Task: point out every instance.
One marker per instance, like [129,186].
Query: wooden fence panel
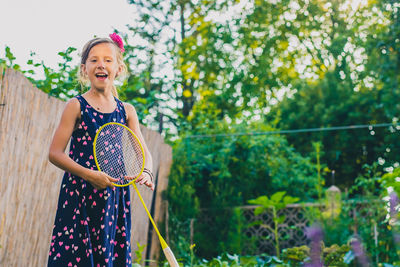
[29,184]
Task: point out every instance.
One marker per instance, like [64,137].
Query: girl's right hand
[100,180]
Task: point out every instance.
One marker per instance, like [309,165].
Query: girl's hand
[100,180]
[146,180]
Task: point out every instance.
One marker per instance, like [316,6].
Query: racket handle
[170,257]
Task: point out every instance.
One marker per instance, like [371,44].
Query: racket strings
[119,153]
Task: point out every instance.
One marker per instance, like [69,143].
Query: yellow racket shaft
[167,251]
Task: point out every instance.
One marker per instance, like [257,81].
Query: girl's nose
[101,64]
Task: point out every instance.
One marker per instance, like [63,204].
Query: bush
[212,175]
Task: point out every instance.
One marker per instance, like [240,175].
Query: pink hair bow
[118,40]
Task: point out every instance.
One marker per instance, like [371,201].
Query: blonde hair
[82,77]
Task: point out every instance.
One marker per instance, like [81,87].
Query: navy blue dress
[92,227]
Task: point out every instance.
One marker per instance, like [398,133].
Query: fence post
[334,200]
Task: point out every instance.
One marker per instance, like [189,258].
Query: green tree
[348,90]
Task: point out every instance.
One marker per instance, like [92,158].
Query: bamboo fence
[29,184]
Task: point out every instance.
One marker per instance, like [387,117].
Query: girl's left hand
[144,179]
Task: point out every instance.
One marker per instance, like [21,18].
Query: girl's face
[101,66]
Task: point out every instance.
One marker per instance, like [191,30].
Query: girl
[93,219]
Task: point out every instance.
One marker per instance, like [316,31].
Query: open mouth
[101,75]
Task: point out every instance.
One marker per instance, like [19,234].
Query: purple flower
[118,41]
[396,238]
[359,252]
[315,234]
[394,201]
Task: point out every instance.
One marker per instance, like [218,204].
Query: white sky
[47,27]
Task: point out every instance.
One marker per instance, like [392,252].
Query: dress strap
[121,107]
[82,101]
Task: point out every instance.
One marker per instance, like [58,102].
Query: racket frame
[138,141]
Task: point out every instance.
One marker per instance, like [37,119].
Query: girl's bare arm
[57,156]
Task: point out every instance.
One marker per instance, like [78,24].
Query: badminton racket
[119,153]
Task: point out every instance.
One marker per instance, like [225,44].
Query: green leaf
[262,200]
[289,200]
[280,219]
[277,197]
[259,210]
